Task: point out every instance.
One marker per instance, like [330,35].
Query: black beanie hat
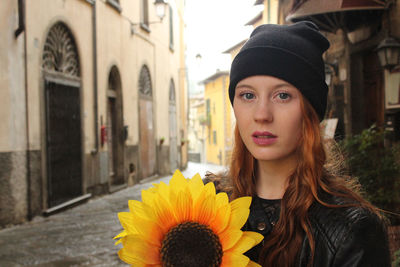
[292,53]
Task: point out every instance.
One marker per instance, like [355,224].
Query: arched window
[145,88]
[172,97]
[60,53]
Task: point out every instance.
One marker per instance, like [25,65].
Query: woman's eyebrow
[245,86]
[277,86]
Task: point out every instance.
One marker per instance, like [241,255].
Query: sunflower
[186,223]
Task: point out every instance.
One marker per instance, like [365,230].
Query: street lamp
[330,71]
[160,8]
[389,53]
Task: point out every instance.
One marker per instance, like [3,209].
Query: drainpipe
[21,18]
[21,28]
[95,88]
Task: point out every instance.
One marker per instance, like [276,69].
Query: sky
[213,26]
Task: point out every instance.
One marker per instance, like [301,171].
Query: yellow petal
[120,235]
[234,260]
[155,186]
[204,211]
[246,242]
[139,249]
[222,199]
[256,236]
[229,238]
[141,209]
[196,186]
[178,181]
[239,212]
[183,206]
[209,188]
[148,197]
[127,221]
[130,259]
[241,203]
[148,230]
[221,219]
[163,190]
[164,213]
[253,264]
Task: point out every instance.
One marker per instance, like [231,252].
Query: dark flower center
[191,244]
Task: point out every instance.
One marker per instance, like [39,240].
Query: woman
[308,215]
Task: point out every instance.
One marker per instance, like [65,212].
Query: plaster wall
[13,139]
[41,15]
[12,80]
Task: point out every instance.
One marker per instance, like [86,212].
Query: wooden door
[147,138]
[373,88]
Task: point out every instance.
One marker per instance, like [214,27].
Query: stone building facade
[362,91]
[89,90]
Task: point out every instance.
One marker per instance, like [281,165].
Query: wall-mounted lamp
[161,9]
[331,69]
[389,53]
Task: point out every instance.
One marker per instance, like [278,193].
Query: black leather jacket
[351,236]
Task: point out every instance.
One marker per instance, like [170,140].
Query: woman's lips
[264,138]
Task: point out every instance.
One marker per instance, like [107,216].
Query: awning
[331,15]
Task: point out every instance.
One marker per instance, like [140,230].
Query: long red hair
[310,176]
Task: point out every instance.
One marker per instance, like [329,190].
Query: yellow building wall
[220,110]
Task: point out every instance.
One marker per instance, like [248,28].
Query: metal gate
[63,142]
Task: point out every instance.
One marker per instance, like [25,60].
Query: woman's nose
[263,112]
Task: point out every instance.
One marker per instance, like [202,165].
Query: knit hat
[292,53]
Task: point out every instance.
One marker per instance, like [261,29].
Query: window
[215,137]
[172,97]
[208,107]
[145,15]
[145,88]
[171,28]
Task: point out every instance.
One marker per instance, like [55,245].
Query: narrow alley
[81,236]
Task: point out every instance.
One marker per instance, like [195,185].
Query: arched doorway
[115,133]
[62,85]
[147,144]
[173,132]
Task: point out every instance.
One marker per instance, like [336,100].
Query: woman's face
[268,116]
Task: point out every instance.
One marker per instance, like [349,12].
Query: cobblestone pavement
[81,236]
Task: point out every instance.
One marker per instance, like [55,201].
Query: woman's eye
[283,96]
[248,96]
